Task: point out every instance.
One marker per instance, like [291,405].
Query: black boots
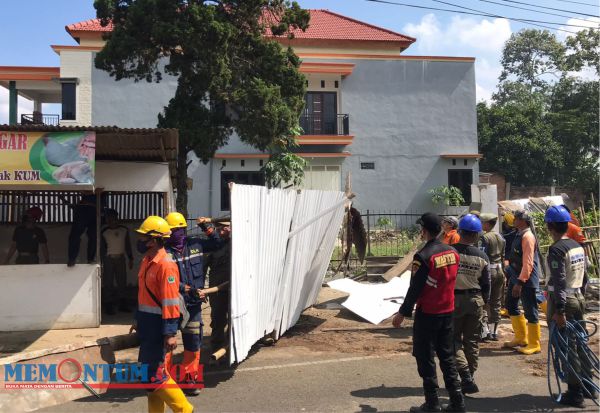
[467,384]
[573,397]
[591,392]
[469,387]
[432,403]
[457,403]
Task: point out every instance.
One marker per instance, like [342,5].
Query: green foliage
[384,222]
[542,125]
[230,78]
[446,195]
[543,236]
[516,140]
[283,166]
[584,50]
[573,114]
[531,54]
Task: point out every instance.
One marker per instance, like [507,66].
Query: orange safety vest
[160,275]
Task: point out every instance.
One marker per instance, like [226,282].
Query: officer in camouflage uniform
[566,260]
[493,245]
[471,293]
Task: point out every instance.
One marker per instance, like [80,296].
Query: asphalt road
[297,379]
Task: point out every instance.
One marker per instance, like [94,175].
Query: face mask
[142,246]
[177,238]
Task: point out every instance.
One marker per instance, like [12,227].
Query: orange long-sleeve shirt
[575,233]
[451,237]
[528,245]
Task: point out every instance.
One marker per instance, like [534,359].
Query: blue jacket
[191,263]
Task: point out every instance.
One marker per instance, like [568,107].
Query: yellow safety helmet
[155,227]
[509,218]
[176,220]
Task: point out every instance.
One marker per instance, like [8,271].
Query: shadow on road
[383,392]
[515,403]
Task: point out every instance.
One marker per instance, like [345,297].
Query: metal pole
[12,102]
[369,234]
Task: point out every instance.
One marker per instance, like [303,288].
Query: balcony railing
[40,119]
[322,125]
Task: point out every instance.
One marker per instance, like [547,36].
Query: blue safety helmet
[557,213]
[470,222]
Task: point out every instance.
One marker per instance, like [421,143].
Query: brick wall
[521,192]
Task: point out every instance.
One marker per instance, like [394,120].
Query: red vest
[437,296]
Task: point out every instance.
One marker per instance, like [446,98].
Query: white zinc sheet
[281,246]
[374,302]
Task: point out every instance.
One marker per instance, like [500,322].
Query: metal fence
[389,234]
[58,205]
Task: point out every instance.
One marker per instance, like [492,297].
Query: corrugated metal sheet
[275,276]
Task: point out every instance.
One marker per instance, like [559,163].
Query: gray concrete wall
[129,104]
[404,114]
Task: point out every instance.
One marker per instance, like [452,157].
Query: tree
[574,114]
[230,77]
[530,56]
[542,126]
[584,50]
[516,141]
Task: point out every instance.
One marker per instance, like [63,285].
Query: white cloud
[483,39]
[590,22]
[481,35]
[427,32]
[482,93]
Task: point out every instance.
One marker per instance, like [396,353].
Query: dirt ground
[327,326]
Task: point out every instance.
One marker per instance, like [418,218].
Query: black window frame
[69,100]
[456,177]
[238,177]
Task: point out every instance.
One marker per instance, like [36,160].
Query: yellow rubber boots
[519,325]
[155,403]
[171,395]
[533,334]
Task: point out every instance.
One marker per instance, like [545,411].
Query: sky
[28,31]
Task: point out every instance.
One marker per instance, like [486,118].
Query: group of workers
[28,238]
[171,290]
[462,277]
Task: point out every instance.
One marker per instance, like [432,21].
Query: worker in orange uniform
[157,317]
[449,233]
[574,231]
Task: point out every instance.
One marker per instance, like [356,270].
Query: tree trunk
[181,184]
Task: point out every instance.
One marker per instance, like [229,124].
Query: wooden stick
[218,354]
[215,289]
[595,213]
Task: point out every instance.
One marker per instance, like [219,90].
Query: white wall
[58,236]
[42,297]
[78,64]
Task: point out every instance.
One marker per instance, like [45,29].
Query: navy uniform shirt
[28,239]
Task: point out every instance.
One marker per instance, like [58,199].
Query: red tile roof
[324,25]
[327,25]
[91,25]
